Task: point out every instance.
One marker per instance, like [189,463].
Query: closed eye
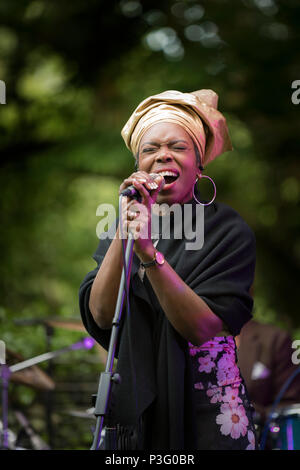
[154,149]
[147,150]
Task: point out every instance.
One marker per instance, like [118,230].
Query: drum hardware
[288,438]
[285,428]
[85,414]
[50,324]
[31,376]
[10,436]
[6,372]
[36,441]
[69,324]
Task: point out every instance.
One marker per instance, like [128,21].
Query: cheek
[145,163]
[191,169]
[189,179]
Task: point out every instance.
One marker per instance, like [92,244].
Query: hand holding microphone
[151,182]
[140,192]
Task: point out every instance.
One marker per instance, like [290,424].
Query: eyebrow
[172,142]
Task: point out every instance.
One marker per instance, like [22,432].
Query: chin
[173,198]
[167,199]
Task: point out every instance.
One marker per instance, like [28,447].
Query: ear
[200,170]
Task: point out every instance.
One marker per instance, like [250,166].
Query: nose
[164,155]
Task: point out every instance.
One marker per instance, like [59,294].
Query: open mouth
[170,177]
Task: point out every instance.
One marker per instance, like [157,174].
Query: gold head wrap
[189,110]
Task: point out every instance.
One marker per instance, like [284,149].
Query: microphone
[132,192]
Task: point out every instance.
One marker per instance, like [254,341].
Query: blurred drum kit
[13,368]
[31,377]
[284,428]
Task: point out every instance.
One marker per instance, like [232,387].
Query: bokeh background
[74,71]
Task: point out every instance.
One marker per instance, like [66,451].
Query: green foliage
[74,72]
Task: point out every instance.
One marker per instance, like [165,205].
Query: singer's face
[167,147]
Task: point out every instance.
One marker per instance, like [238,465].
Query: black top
[154,360]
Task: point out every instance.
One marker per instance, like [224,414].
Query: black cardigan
[153,358]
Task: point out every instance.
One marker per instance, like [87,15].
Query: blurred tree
[75,70]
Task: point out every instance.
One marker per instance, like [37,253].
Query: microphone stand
[107,377]
[6,371]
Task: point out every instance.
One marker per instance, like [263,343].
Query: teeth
[167,173]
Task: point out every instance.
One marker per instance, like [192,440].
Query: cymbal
[31,376]
[55,322]
[75,324]
[71,324]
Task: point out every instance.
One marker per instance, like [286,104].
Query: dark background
[74,71]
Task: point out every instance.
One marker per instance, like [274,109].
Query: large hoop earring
[215,190]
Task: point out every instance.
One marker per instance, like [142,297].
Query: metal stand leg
[5,374]
[107,377]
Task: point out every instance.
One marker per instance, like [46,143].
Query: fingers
[135,220]
[137,216]
[143,189]
[159,181]
[138,179]
[144,178]
[135,210]
[133,227]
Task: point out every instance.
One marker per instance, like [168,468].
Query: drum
[285,428]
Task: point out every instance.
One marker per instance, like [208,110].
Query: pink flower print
[232,396]
[227,371]
[222,377]
[213,348]
[193,351]
[212,344]
[233,420]
[229,343]
[199,386]
[227,377]
[215,394]
[251,439]
[217,339]
[227,360]
[213,353]
[206,364]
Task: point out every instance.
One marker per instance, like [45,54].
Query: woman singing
[181,387]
